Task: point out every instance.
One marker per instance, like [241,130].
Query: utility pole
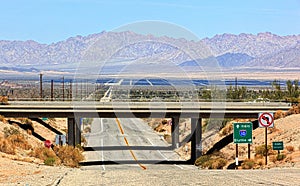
[52,86]
[81,89]
[63,88]
[76,88]
[41,86]
[70,90]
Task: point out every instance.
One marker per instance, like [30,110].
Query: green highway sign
[242,132]
[277,145]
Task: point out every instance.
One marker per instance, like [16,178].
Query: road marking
[163,154]
[101,125]
[158,150]
[102,155]
[126,141]
[178,166]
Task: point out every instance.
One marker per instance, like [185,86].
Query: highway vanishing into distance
[109,135]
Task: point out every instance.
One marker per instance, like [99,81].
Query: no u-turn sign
[266,119]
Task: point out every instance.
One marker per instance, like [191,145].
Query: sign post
[242,133]
[265,120]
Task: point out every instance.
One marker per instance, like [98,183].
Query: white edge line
[101,125]
[102,155]
[164,155]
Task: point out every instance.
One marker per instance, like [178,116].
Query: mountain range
[263,50]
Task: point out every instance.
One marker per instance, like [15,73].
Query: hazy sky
[48,21]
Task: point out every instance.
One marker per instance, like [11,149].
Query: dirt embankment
[287,129]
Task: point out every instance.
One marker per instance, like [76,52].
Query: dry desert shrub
[10,143]
[290,149]
[248,164]
[273,129]
[294,110]
[10,131]
[43,153]
[227,129]
[279,114]
[2,119]
[19,141]
[6,146]
[261,150]
[211,162]
[66,155]
[47,155]
[273,158]
[69,156]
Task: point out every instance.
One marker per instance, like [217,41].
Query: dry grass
[11,143]
[279,114]
[10,131]
[294,110]
[6,146]
[227,129]
[69,155]
[214,161]
[43,153]
[47,155]
[19,141]
[261,150]
[249,164]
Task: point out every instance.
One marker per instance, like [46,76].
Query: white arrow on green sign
[242,132]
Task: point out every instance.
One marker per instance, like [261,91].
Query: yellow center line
[126,141]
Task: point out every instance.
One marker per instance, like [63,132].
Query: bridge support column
[77,133]
[74,133]
[71,131]
[196,145]
[175,132]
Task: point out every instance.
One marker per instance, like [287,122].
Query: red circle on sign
[47,143]
[263,116]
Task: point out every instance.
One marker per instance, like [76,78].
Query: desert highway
[108,135]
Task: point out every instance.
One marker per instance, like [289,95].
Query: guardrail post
[71,131]
[196,144]
[175,132]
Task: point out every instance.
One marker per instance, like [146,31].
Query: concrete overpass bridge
[174,110]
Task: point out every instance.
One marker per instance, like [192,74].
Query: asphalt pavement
[126,141]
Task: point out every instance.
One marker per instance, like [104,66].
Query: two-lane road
[111,137]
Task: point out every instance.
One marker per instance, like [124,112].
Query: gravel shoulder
[23,173]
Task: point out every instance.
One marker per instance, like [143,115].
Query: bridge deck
[139,109]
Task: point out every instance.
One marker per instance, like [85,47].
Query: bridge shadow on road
[120,162]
